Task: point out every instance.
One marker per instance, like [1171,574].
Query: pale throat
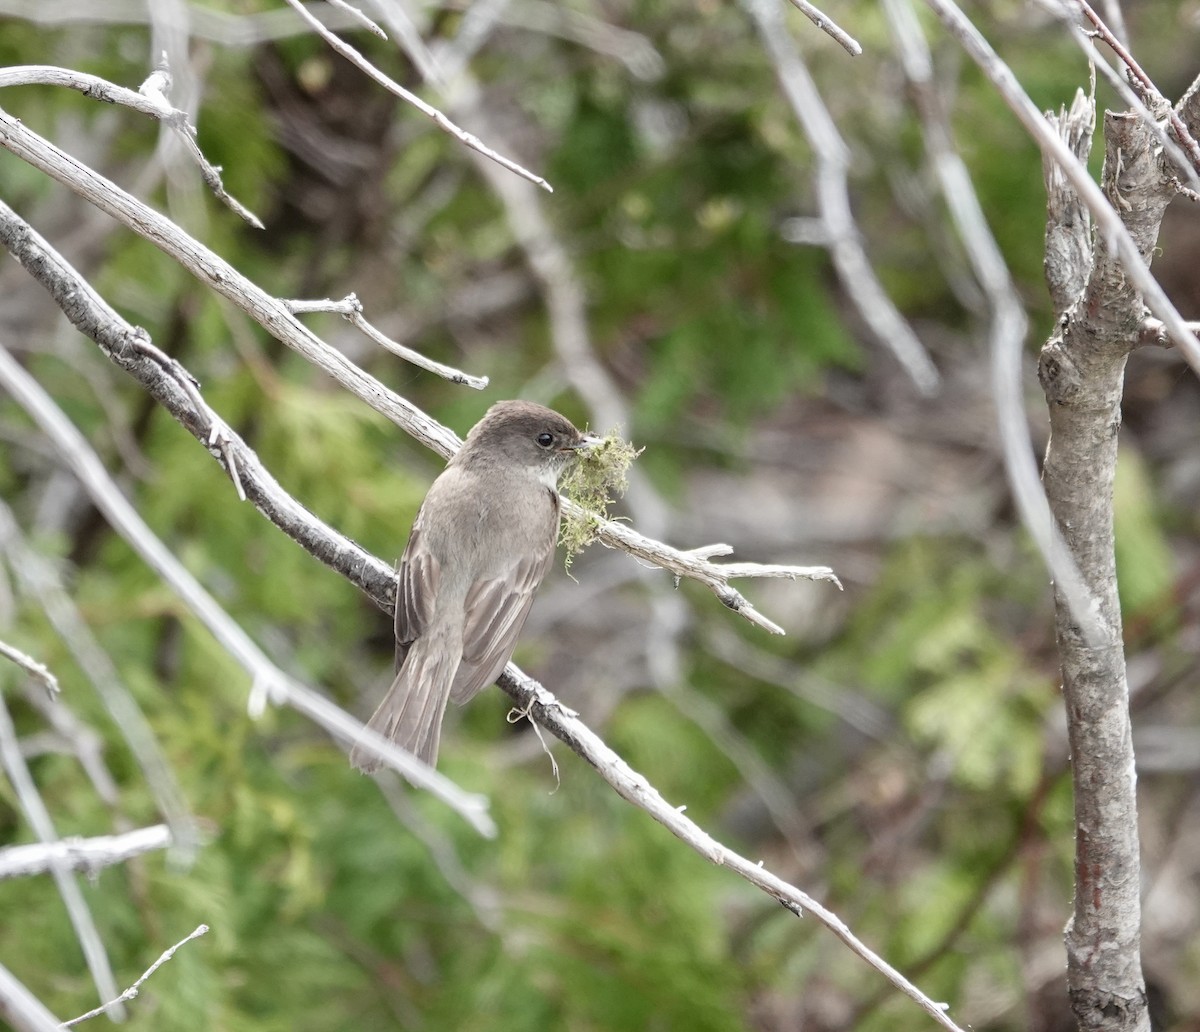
[548,476]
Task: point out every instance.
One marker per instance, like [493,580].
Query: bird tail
[411,712]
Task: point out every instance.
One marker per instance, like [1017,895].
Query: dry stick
[1008,323]
[1112,229]
[634,788]
[40,579]
[273,315]
[133,990]
[845,246]
[439,119]
[204,23]
[826,24]
[272,681]
[21,1009]
[30,665]
[149,101]
[88,855]
[68,887]
[350,308]
[1182,135]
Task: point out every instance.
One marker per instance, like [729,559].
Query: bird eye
[544,439]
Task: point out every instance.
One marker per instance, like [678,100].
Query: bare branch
[634,788]
[713,576]
[826,24]
[21,1009]
[87,855]
[132,992]
[31,666]
[68,888]
[832,171]
[149,101]
[1111,228]
[439,119]
[350,308]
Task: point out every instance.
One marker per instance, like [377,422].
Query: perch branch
[268,680]
[377,580]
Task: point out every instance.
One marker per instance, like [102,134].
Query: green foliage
[329,911]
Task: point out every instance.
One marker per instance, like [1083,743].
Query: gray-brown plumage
[482,542]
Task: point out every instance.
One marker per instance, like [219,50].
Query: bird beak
[585,442]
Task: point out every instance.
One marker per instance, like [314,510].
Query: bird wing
[496,609]
[416,592]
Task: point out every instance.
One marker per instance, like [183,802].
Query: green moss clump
[596,477]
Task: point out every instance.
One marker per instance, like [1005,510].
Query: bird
[482,541]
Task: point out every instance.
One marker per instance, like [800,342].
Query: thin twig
[1182,135]
[132,992]
[31,666]
[68,888]
[826,24]
[1109,223]
[714,576]
[149,101]
[41,580]
[358,16]
[857,277]
[439,119]
[350,308]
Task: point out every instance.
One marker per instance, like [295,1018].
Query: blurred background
[900,754]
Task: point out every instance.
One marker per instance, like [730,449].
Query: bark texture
[1082,371]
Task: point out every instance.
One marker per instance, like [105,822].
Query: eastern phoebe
[482,541]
